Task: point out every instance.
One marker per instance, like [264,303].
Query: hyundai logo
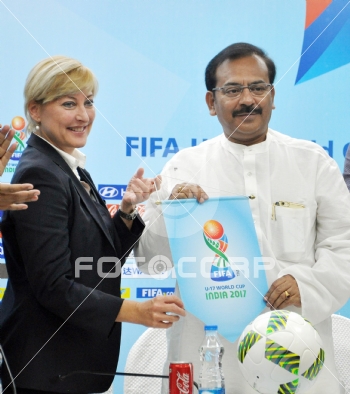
[108,192]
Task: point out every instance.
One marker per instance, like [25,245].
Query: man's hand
[282,293]
[12,197]
[159,312]
[6,136]
[188,190]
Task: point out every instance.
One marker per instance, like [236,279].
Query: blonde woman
[59,312]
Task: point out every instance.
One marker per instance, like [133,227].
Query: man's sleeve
[347,168]
[325,287]
[152,251]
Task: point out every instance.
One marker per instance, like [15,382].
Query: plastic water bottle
[211,378]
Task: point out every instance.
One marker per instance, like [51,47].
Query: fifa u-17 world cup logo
[18,124]
[216,240]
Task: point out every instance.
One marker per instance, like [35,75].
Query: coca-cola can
[180,377]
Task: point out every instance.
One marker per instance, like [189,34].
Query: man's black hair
[233,52]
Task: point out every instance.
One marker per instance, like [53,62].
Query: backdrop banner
[149,57]
[217,260]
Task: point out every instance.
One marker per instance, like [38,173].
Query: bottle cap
[210,328]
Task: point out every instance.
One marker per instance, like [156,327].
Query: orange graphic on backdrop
[18,123]
[314,9]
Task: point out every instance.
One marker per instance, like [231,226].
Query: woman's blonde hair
[55,77]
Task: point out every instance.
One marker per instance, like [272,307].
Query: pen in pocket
[284,204]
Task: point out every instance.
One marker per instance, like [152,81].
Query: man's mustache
[244,110]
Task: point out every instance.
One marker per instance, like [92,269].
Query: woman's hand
[138,190]
[159,312]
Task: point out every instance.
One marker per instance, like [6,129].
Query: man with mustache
[299,202]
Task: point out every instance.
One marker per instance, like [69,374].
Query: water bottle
[211,378]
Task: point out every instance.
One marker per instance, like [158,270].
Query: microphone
[62,377]
[144,375]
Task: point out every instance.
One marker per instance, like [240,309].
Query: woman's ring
[179,190]
[287,294]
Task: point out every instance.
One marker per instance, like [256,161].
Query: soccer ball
[280,353]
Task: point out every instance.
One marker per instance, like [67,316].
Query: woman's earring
[37,127]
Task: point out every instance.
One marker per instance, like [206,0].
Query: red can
[180,377]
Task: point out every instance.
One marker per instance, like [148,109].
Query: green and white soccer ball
[280,353]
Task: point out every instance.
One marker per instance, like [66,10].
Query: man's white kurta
[312,244]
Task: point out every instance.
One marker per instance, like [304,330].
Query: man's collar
[244,149]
